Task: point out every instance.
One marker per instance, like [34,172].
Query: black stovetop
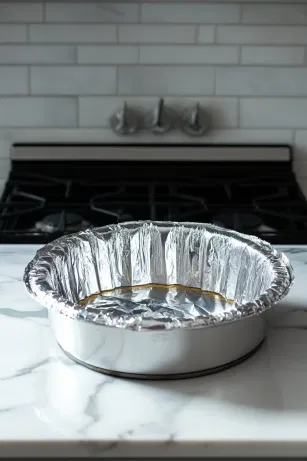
[43,200]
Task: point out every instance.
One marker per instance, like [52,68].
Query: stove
[54,190]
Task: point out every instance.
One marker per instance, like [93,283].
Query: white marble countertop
[50,406]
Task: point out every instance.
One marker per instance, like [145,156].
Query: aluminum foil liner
[248,273]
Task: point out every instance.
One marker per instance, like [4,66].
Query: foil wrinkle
[239,267]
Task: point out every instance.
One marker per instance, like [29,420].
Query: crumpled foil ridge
[240,267]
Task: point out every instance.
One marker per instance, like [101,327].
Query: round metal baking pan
[157,345]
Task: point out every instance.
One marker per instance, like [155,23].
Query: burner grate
[38,208]
[157,202]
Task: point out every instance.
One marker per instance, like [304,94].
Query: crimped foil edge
[39,285]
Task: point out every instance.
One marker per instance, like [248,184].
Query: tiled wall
[65,67]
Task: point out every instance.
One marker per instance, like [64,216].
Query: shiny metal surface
[159,353]
[154,302]
[239,267]
[159,121]
[124,121]
[196,122]
[150,334]
[171,376]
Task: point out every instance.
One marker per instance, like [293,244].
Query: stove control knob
[124,122]
[196,122]
[159,121]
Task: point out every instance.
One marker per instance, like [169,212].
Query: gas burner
[70,222]
[237,220]
[155,201]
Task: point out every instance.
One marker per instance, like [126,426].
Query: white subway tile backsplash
[36,54]
[275,14]
[197,54]
[223,112]
[13,33]
[38,112]
[107,54]
[95,112]
[250,136]
[65,67]
[72,80]
[170,33]
[67,135]
[273,55]
[72,33]
[13,80]
[273,113]
[200,13]
[92,12]
[262,81]
[21,12]
[206,34]
[162,80]
[262,35]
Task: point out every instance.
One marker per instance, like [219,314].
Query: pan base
[193,374]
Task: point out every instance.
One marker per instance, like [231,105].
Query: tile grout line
[44,12]
[215,35]
[97,127]
[196,35]
[238,114]
[217,96]
[214,82]
[116,81]
[78,111]
[29,79]
[240,55]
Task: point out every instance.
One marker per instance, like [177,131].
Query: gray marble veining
[50,406]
